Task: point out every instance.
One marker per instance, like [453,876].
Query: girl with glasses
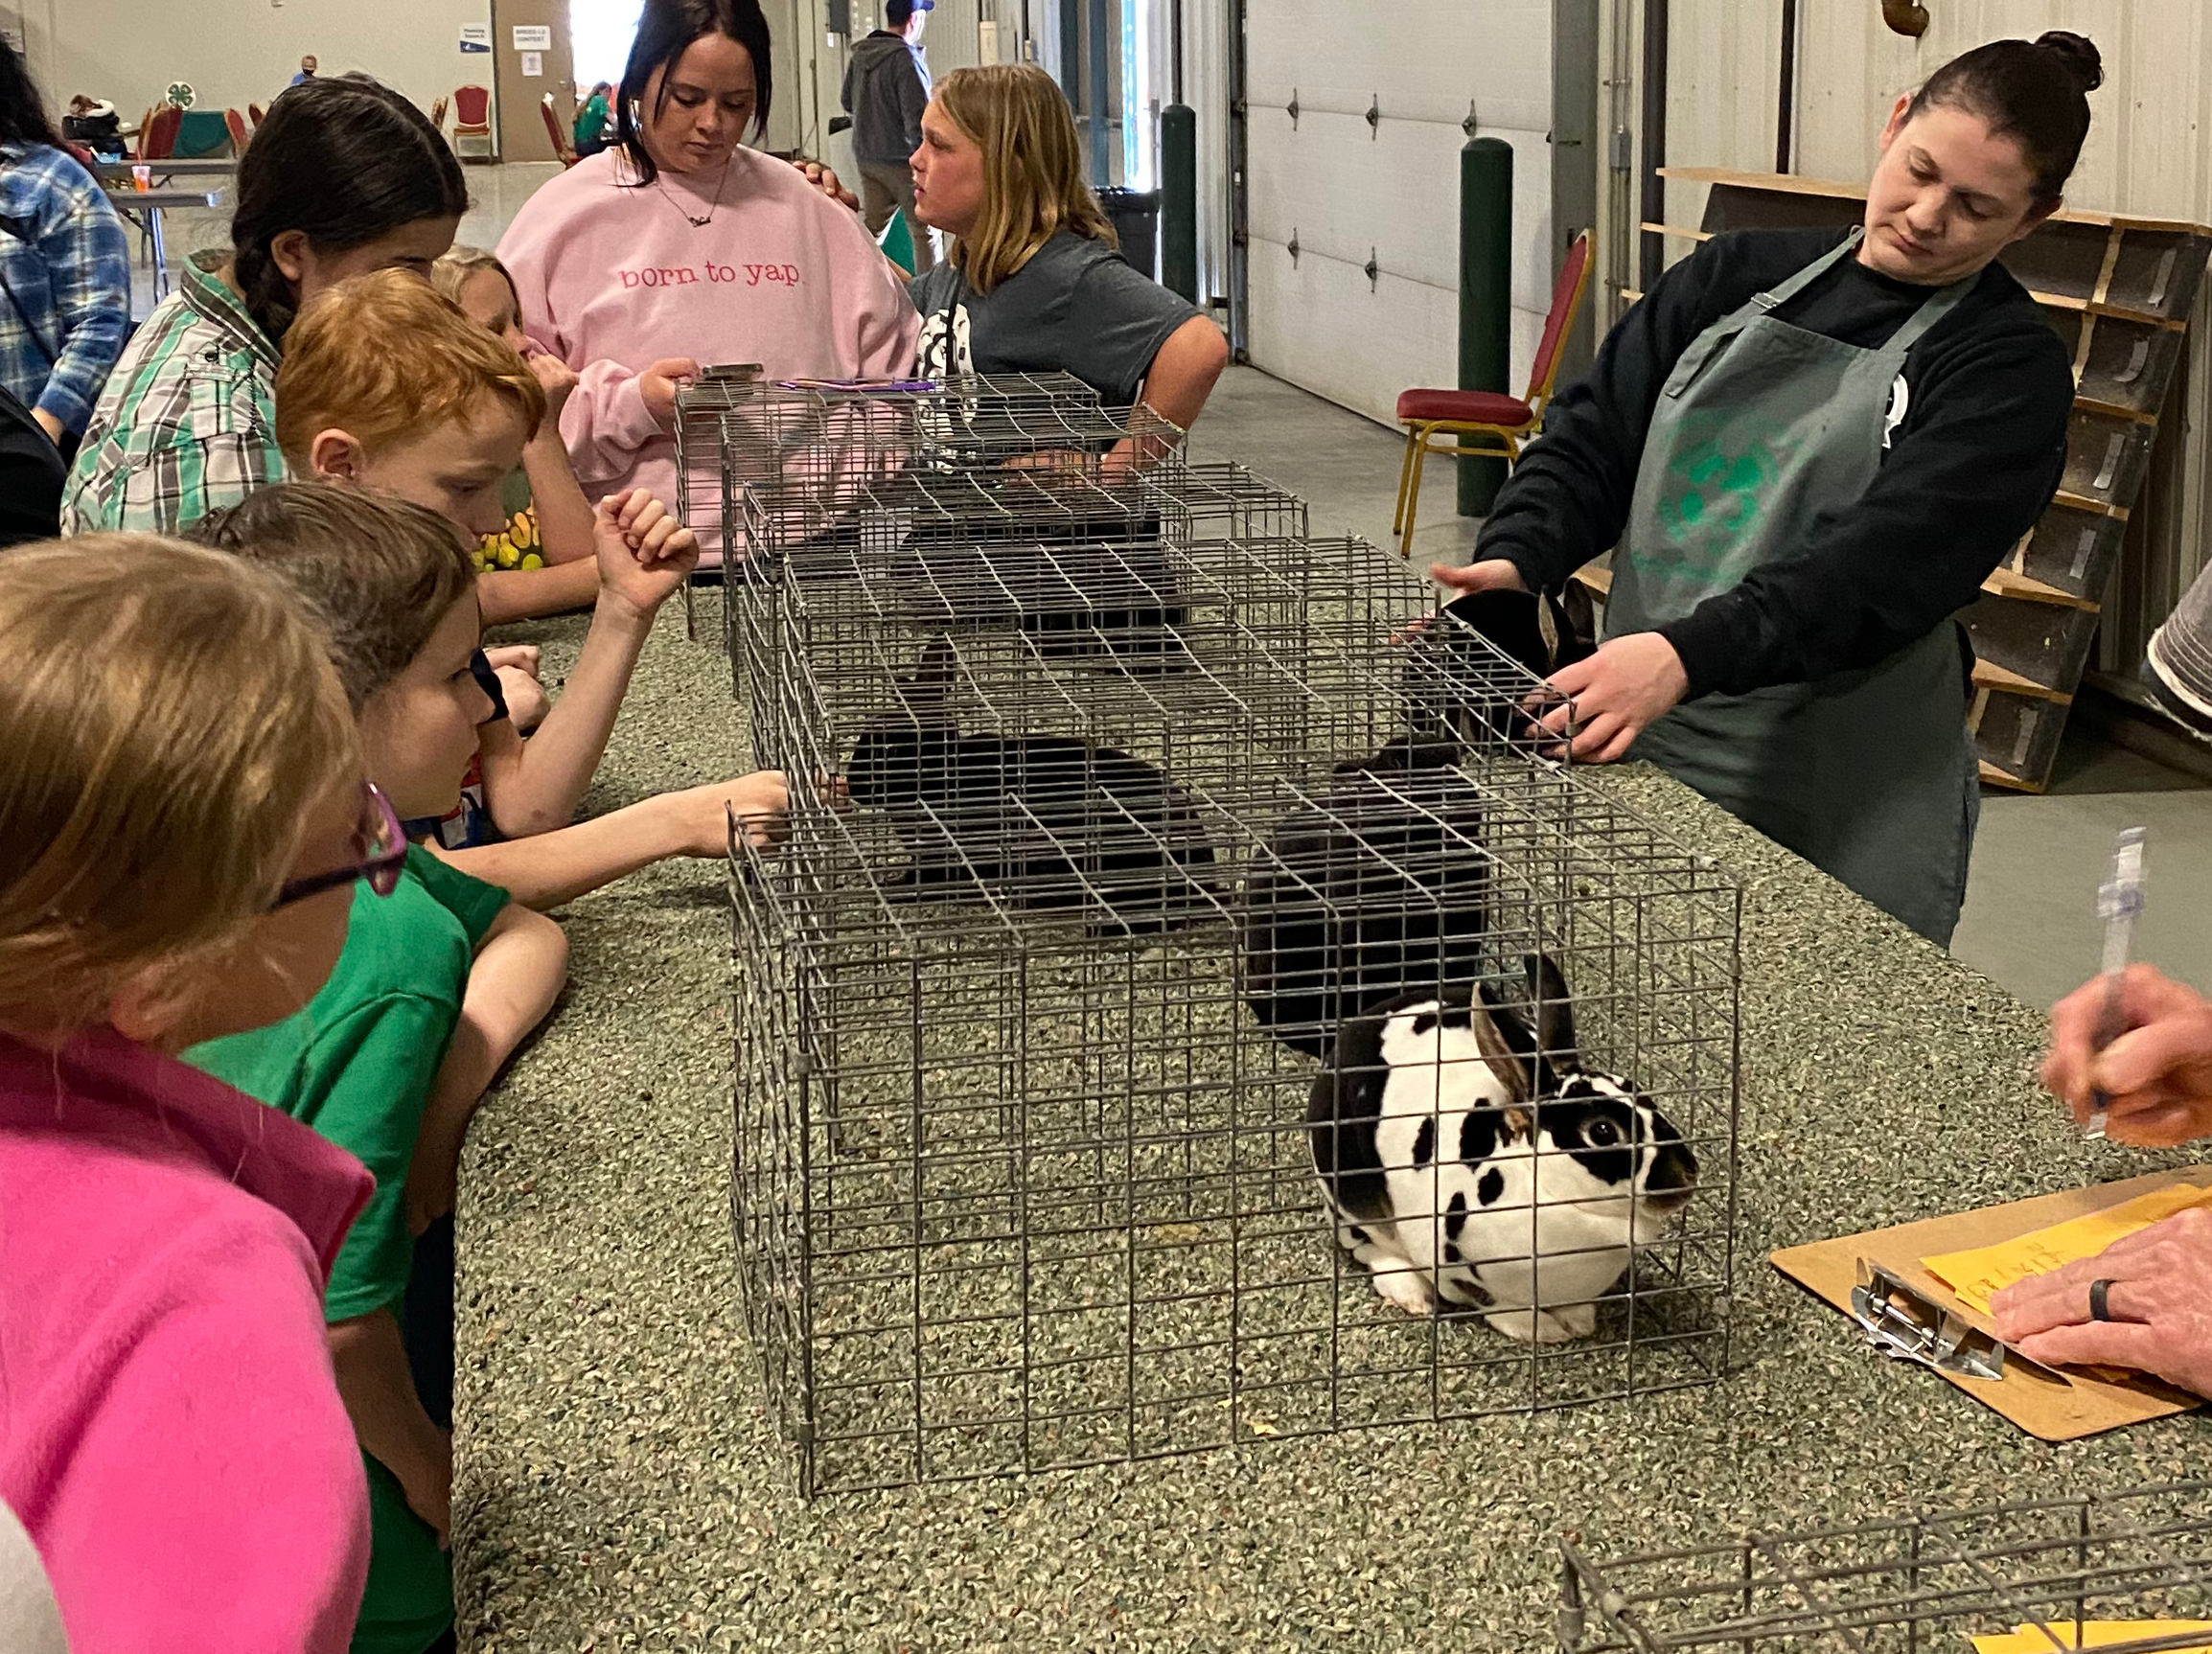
[182,820]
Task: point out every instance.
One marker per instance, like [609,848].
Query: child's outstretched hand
[761,802]
[644,553]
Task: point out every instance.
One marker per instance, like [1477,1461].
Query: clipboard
[2088,1402]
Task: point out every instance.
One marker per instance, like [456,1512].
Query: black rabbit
[1458,689]
[1375,889]
[1043,822]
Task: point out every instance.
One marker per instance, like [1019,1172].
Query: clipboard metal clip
[1906,1326]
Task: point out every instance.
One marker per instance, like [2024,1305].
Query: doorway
[530,63]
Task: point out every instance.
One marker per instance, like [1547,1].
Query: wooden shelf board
[2004,582]
[1991,676]
[2114,410]
[1790,184]
[1996,777]
[2083,502]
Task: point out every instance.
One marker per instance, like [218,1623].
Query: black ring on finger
[2099,1308]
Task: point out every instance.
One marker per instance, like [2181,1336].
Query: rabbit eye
[1603,1134]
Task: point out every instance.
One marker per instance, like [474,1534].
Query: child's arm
[371,1365]
[557,867]
[514,977]
[571,578]
[644,554]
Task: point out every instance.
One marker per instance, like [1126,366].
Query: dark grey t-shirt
[1075,305]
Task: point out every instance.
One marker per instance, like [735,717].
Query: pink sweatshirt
[170,1431]
[613,278]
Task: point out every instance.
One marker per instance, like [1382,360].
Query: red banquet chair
[239,134]
[1434,420]
[557,132]
[472,117]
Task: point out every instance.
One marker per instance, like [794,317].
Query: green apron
[1761,429]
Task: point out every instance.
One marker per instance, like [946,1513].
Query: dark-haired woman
[343,177]
[678,246]
[64,266]
[1811,448]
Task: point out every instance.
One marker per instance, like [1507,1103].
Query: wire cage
[767,467]
[2087,1571]
[1143,816]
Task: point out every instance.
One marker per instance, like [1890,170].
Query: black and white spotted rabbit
[1470,1160]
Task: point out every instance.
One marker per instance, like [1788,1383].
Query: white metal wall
[1349,191]
[2146,154]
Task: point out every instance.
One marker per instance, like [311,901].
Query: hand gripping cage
[2043,1568]
[1145,800]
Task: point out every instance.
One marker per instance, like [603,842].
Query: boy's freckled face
[455,468]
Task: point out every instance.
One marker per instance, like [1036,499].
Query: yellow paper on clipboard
[2095,1634]
[1976,1274]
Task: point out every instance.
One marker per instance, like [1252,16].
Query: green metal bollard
[1178,201]
[1486,297]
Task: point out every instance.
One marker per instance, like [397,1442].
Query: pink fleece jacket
[170,1431]
[613,277]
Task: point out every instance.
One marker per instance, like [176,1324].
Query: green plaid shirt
[186,423]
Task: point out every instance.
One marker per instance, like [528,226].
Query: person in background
[589,132]
[437,986]
[678,244]
[64,266]
[886,89]
[1033,283]
[343,176]
[307,70]
[92,121]
[540,560]
[184,821]
[2146,1300]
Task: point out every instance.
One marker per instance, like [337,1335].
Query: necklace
[695,221]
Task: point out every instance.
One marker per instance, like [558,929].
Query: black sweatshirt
[1972,466]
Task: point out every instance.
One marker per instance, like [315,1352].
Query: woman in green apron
[1808,450]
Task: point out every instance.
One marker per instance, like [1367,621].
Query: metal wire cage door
[1144,807]
[2056,1573]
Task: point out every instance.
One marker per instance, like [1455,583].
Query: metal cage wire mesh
[1923,1582]
[1026,1033]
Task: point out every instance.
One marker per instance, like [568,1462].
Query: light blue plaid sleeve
[87,259]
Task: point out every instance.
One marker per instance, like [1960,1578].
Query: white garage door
[1346,190]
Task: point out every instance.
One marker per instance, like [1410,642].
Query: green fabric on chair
[898,241]
[201,132]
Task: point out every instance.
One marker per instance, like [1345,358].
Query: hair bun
[2080,57]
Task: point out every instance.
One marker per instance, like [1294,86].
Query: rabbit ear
[926,692]
[1504,1041]
[1556,1044]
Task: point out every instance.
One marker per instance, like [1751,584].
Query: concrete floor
[2030,919]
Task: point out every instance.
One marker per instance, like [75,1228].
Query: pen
[2119,900]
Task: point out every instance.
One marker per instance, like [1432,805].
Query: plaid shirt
[64,283]
[187,425]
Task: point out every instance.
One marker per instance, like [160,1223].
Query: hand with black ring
[2157,1294]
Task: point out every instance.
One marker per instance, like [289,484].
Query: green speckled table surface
[619,1487]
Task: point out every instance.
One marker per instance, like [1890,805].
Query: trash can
[1135,214]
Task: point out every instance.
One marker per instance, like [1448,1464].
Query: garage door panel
[1349,191]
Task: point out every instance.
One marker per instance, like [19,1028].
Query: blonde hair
[1032,169]
[382,355]
[381,574]
[457,263]
[170,720]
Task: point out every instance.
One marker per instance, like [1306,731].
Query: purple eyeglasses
[380,841]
